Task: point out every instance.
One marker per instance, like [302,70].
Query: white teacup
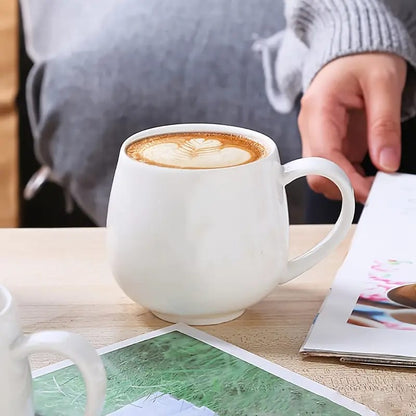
[15,377]
[201,245]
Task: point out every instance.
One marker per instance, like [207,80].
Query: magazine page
[370,313]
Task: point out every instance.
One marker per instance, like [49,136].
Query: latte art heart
[198,147]
[196,151]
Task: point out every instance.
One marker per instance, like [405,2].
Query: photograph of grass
[194,368]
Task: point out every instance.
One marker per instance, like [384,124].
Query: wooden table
[61,280]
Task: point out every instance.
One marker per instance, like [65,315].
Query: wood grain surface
[61,280]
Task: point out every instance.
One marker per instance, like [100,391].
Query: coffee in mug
[198,225]
[196,150]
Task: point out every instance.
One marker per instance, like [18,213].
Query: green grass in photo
[188,369]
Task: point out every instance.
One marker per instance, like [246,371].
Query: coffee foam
[196,150]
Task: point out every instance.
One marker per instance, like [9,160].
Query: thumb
[383,103]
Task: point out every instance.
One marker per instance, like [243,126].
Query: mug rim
[5,300]
[395,288]
[261,138]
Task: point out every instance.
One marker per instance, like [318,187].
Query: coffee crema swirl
[196,150]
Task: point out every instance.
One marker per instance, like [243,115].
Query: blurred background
[77,78]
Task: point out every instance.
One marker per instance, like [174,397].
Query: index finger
[323,130]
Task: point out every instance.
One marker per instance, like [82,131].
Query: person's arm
[352,108]
[353,77]
[335,28]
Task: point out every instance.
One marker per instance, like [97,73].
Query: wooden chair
[9,201]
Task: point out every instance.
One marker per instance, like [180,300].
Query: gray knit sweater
[319,31]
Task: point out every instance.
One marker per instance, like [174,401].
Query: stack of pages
[370,314]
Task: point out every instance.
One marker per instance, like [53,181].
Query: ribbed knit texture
[328,29]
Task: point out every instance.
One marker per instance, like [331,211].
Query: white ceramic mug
[15,376]
[201,245]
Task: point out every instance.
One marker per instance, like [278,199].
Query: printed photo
[174,373]
[389,299]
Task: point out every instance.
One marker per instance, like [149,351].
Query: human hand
[353,107]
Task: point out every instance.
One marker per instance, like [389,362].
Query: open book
[370,314]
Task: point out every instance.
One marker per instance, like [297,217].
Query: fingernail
[389,159]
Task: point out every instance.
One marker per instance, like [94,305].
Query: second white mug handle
[322,167]
[80,352]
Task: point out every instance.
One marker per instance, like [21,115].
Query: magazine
[182,371]
[369,315]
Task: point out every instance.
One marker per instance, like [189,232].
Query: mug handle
[80,352]
[323,167]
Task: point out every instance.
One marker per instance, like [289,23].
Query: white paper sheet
[366,316]
[161,404]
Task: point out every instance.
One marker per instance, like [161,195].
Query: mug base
[199,319]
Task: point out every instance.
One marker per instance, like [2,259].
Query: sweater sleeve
[328,29]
